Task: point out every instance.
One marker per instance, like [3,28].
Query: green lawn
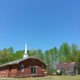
[46,78]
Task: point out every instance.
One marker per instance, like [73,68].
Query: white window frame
[22,69]
[33,70]
[43,68]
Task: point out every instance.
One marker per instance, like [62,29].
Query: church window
[42,67]
[4,69]
[22,68]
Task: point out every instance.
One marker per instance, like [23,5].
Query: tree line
[51,57]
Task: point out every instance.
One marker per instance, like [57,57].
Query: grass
[46,78]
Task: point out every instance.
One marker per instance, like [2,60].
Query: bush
[59,73]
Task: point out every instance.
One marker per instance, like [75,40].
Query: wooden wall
[15,71]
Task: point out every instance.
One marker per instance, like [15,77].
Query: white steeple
[25,48]
[25,52]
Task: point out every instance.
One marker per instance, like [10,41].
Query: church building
[25,67]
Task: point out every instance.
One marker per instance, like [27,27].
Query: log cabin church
[25,67]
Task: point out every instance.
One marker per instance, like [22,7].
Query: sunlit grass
[46,78]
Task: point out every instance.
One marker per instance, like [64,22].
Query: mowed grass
[46,78]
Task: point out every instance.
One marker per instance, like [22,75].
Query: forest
[66,53]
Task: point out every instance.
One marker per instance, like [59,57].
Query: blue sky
[44,23]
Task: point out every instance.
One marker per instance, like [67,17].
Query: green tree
[5,56]
[10,50]
[78,61]
[33,53]
[55,50]
[48,61]
[40,54]
[51,57]
[74,51]
[18,55]
[64,53]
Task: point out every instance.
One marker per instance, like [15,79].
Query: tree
[40,54]
[64,53]
[51,55]
[74,51]
[10,50]
[18,55]
[5,56]
[48,61]
[55,50]
[33,52]
[78,61]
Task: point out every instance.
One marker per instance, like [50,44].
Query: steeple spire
[25,48]
[25,52]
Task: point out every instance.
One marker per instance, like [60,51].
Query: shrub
[59,73]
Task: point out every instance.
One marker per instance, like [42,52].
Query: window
[42,67]
[33,69]
[22,68]
[0,70]
[4,69]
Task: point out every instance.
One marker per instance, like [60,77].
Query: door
[33,70]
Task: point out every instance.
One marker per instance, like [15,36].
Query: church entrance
[33,70]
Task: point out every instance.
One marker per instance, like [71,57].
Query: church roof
[19,60]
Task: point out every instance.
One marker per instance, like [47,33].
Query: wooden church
[25,67]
